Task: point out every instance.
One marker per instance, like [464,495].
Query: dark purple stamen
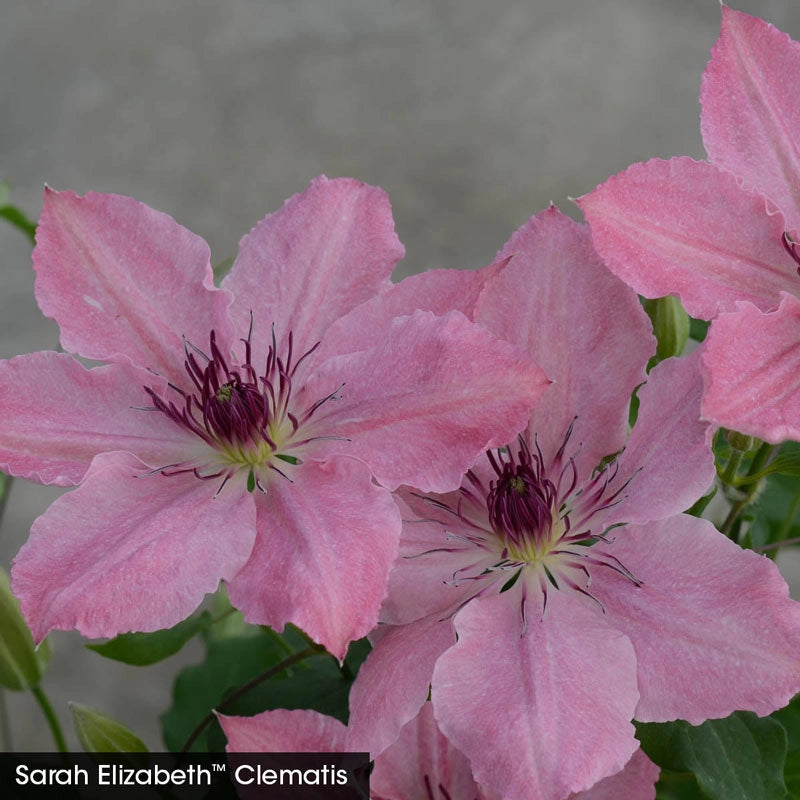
[523,501]
[235,409]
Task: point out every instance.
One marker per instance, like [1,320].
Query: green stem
[6,741]
[729,475]
[52,719]
[6,482]
[758,463]
[242,690]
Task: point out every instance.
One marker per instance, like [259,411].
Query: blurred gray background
[472,114]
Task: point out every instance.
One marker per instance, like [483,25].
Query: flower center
[246,418]
[792,249]
[533,524]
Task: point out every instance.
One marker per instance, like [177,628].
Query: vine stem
[50,716]
[5,729]
[760,460]
[242,690]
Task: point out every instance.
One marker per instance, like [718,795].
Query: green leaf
[775,516]
[141,649]
[737,758]
[789,717]
[20,665]
[231,662]
[14,215]
[99,733]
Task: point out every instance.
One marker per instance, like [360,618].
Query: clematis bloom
[421,765]
[559,593]
[228,437]
[723,235]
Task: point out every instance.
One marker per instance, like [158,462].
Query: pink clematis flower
[560,593]
[722,235]
[230,437]
[421,765]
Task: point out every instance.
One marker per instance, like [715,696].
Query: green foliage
[13,215]
[22,665]
[239,656]
[99,733]
[141,649]
[738,758]
[789,717]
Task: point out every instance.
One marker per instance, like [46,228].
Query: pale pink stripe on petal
[125,282]
[636,782]
[64,415]
[322,555]
[283,731]
[328,249]
[713,626]
[584,327]
[122,553]
[422,405]
[668,458]
[555,702]
[393,682]
[686,228]
[751,120]
[752,366]
[421,752]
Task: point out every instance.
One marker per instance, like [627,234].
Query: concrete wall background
[472,115]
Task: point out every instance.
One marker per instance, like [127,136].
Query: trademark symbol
[219,767]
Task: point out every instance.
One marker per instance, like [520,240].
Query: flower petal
[712,624]
[752,365]
[750,119]
[393,682]
[668,459]
[437,290]
[543,712]
[322,555]
[421,406]
[422,753]
[283,731]
[684,227]
[125,282]
[584,327]
[636,782]
[421,580]
[328,249]
[60,415]
[122,553]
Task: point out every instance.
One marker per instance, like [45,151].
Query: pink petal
[393,682]
[421,406]
[685,228]
[750,120]
[438,290]
[541,713]
[752,365]
[283,731]
[635,782]
[668,459]
[712,624]
[420,585]
[125,282]
[122,553]
[585,328]
[328,249]
[60,415]
[421,753]
[322,555]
